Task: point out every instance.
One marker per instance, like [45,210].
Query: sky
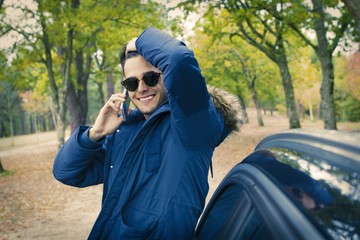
[189,22]
[13,16]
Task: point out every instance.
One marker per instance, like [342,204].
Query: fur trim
[228,105]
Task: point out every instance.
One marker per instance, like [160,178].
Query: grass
[6,173]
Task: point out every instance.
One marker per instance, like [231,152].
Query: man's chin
[146,111]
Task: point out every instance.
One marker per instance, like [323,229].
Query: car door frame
[283,218]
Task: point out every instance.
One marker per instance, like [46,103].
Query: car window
[329,195]
[219,212]
[253,227]
[232,216]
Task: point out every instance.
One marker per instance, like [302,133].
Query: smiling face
[145,98]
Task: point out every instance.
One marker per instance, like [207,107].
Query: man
[154,165]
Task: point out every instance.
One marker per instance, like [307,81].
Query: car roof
[339,148]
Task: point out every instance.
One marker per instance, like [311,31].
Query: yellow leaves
[228,63]
[34,103]
[306,77]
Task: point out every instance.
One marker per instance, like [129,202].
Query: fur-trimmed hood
[228,105]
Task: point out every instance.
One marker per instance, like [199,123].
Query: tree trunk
[84,93]
[1,167]
[60,130]
[288,89]
[77,96]
[65,86]
[35,121]
[44,124]
[65,69]
[259,117]
[258,108]
[110,85]
[1,127]
[244,115]
[53,115]
[255,99]
[59,94]
[100,63]
[327,94]
[251,85]
[318,111]
[311,110]
[23,123]
[324,53]
[101,94]
[53,87]
[74,108]
[301,110]
[11,125]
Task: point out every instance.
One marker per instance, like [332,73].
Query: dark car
[298,184]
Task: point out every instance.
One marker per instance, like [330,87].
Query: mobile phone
[124,106]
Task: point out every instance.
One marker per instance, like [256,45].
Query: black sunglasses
[150,79]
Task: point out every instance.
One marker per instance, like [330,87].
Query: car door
[248,204]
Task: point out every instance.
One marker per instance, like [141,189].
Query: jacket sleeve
[79,162]
[193,113]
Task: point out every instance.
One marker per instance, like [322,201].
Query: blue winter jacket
[154,170]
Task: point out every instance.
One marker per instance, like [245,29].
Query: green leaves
[60,39]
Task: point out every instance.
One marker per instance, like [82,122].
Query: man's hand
[107,121]
[131,47]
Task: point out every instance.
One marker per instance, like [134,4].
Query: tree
[2,170]
[347,90]
[41,35]
[235,66]
[250,78]
[254,28]
[322,17]
[251,21]
[64,35]
[36,106]
[218,67]
[10,105]
[307,79]
[14,79]
[354,9]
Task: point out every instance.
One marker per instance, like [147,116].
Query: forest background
[59,59]
[292,64]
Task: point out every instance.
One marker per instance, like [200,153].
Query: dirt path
[33,205]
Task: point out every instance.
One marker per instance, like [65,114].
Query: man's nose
[142,86]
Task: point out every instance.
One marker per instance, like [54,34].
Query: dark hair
[126,55]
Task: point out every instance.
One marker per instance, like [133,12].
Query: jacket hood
[228,105]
